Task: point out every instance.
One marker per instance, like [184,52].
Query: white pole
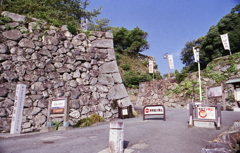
[199,80]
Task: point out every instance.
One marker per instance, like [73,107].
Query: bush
[57,124]
[72,29]
[133,80]
[135,114]
[93,119]
[126,67]
[181,76]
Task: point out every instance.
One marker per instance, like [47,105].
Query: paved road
[150,136]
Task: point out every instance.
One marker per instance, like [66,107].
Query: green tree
[211,44]
[187,56]
[57,12]
[212,47]
[130,40]
[99,25]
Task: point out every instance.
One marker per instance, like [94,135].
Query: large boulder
[14,17]
[13,34]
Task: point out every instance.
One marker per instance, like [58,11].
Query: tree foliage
[211,44]
[99,25]
[130,40]
[187,56]
[212,47]
[57,12]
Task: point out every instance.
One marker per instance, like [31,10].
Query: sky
[170,24]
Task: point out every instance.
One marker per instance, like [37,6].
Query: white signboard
[150,66]
[151,110]
[206,113]
[16,124]
[237,94]
[84,24]
[225,41]
[196,54]
[170,62]
[124,112]
[58,105]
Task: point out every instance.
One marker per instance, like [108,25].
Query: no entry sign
[154,110]
[206,113]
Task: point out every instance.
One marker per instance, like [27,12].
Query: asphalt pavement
[153,135]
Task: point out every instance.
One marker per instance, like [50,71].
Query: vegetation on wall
[56,12]
[219,70]
[229,62]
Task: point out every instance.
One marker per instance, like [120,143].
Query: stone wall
[155,93]
[53,63]
[159,92]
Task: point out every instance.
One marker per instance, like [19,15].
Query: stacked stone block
[53,63]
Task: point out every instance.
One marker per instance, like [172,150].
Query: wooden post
[223,98]
[66,113]
[190,124]
[206,95]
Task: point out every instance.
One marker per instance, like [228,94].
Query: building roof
[233,80]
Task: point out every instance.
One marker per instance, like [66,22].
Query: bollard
[116,137]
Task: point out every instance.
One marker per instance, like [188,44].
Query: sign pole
[165,56]
[199,80]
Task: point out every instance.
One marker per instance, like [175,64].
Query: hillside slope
[133,68]
[171,94]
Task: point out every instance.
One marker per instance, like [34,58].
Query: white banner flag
[170,62]
[225,41]
[84,24]
[150,67]
[196,54]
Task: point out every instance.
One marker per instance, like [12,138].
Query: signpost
[203,115]
[16,124]
[214,92]
[154,110]
[125,112]
[58,107]
[206,113]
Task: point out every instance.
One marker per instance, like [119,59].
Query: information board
[58,105]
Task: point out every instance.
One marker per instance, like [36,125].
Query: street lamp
[165,56]
[196,53]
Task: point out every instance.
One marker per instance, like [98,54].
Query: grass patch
[93,119]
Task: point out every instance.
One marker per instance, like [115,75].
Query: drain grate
[48,142]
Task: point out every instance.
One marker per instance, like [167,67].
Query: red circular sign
[202,113]
[146,110]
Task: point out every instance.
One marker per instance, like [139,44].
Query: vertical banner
[84,24]
[170,62]
[16,124]
[196,54]
[150,67]
[225,41]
